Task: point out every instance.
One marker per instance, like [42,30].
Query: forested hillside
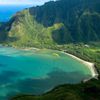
[59,22]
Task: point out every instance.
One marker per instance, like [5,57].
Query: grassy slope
[28,31]
[25,31]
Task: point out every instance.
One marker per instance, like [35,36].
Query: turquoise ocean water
[36,72]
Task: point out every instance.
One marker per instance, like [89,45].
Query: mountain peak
[79,21]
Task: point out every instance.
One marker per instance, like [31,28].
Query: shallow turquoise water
[36,72]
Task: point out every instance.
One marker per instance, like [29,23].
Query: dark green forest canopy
[59,22]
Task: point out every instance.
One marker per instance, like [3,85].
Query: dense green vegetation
[60,22]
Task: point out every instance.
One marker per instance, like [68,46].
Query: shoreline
[90,65]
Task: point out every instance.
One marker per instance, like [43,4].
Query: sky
[23,2]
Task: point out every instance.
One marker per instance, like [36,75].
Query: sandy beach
[90,65]
[28,49]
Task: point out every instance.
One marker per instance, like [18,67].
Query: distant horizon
[23,2]
[7,11]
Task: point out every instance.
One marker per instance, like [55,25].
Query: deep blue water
[7,11]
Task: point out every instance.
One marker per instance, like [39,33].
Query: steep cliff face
[59,22]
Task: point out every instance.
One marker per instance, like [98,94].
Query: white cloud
[22,2]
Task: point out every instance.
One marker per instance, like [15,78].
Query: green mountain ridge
[59,22]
